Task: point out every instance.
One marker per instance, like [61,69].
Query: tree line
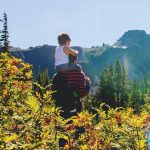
[116,90]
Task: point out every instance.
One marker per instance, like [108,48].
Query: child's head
[64,39]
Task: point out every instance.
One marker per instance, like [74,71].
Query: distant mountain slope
[41,56]
[138,38]
[135,60]
[132,49]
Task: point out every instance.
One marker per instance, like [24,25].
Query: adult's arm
[84,85]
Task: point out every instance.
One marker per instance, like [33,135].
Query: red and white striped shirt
[77,81]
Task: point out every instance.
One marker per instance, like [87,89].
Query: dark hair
[62,38]
[72,58]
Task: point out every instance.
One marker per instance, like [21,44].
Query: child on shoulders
[63,53]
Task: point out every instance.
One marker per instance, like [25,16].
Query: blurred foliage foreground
[29,120]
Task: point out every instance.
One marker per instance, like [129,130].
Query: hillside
[41,57]
[132,50]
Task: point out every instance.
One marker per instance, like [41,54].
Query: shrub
[30,120]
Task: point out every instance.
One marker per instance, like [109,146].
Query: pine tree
[135,97]
[4,34]
[0,36]
[138,93]
[113,87]
[125,88]
[105,91]
[120,85]
[117,82]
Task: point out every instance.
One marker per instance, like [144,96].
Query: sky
[88,22]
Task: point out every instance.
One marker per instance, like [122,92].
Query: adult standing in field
[70,87]
[70,83]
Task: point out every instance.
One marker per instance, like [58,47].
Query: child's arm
[69,51]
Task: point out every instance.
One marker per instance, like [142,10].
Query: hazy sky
[89,22]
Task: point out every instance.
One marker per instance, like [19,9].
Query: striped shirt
[77,81]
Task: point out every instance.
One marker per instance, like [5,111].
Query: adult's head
[64,39]
[73,59]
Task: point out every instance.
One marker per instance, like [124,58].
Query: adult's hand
[88,81]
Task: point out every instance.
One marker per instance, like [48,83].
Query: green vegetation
[116,90]
[30,120]
[43,77]
[43,80]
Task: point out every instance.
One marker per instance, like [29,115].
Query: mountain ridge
[132,50]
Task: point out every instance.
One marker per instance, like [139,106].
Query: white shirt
[60,56]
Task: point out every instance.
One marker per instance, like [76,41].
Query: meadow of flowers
[29,120]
